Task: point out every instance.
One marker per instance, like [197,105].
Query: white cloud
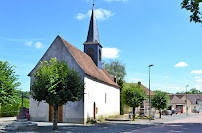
[196,71]
[110,52]
[181,64]
[197,77]
[116,0]
[199,80]
[28,43]
[39,45]
[197,87]
[101,14]
[165,77]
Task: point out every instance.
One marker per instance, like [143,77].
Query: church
[101,92]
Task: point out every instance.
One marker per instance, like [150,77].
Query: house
[143,108]
[101,91]
[178,102]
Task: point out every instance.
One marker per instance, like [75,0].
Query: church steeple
[92,46]
[93,36]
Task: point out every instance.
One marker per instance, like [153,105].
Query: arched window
[100,56]
[90,52]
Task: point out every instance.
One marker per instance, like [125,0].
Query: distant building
[101,93]
[178,102]
[143,108]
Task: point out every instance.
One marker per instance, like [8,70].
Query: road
[189,125]
[175,123]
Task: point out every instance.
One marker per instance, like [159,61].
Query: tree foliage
[115,67]
[133,96]
[121,83]
[8,83]
[160,101]
[194,7]
[192,91]
[56,84]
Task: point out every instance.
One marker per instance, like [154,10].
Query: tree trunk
[133,113]
[55,117]
[159,113]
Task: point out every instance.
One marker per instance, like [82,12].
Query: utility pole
[186,101]
[150,94]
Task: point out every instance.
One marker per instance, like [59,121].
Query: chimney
[139,83]
[115,79]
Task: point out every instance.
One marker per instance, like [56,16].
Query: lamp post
[186,101]
[149,94]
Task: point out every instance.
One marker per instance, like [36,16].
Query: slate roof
[194,97]
[146,90]
[93,36]
[175,99]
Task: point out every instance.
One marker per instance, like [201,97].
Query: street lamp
[149,93]
[186,101]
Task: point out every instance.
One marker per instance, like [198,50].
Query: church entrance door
[60,113]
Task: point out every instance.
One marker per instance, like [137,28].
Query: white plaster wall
[38,110]
[95,92]
[72,112]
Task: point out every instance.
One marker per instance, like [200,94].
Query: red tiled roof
[87,64]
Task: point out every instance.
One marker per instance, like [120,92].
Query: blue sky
[138,33]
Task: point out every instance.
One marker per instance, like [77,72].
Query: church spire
[93,36]
[92,45]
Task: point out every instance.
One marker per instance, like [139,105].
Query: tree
[121,83]
[56,84]
[115,67]
[194,7]
[133,96]
[194,91]
[160,101]
[8,83]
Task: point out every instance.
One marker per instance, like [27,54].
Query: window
[100,56]
[105,97]
[90,52]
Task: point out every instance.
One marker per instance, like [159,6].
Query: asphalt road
[175,123]
[189,125]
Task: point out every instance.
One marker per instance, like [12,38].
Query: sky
[136,32]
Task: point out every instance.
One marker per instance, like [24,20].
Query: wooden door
[60,113]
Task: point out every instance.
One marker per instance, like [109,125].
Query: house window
[90,52]
[105,97]
[100,56]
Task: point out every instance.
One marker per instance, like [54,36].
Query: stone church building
[101,93]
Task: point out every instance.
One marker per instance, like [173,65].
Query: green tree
[121,83]
[160,101]
[194,91]
[115,67]
[56,84]
[8,83]
[133,96]
[194,7]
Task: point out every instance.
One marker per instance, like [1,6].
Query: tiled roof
[146,90]
[194,97]
[87,64]
[175,99]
